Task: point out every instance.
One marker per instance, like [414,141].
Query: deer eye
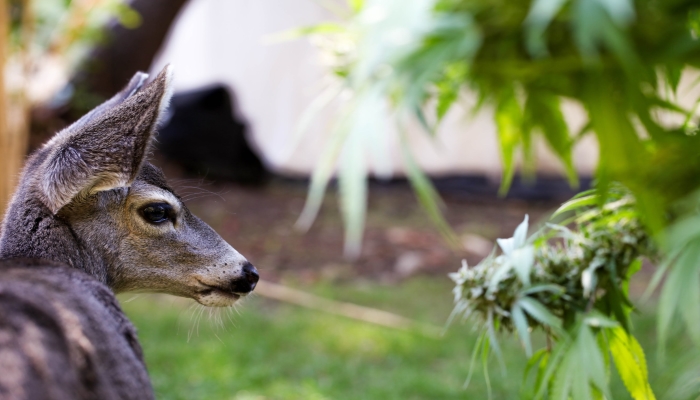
[157,213]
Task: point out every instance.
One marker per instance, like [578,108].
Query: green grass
[278,351]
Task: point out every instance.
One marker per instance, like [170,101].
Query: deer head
[89,198]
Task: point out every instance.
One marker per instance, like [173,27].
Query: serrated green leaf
[630,363]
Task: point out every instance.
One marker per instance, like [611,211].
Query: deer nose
[251,274]
[249,280]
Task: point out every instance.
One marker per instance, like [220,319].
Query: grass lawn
[276,351]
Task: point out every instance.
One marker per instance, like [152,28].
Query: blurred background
[248,125]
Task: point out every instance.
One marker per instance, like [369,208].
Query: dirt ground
[400,241]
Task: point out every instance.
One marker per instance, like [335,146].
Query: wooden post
[6,172]
[13,120]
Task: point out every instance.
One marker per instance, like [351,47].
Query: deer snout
[247,282]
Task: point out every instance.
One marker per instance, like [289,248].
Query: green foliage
[573,285]
[622,62]
[65,27]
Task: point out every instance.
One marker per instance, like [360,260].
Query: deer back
[63,336]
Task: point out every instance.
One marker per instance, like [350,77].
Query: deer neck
[30,230]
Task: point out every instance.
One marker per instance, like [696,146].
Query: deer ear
[104,150]
[131,88]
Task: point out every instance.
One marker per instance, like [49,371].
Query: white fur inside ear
[142,77]
[167,95]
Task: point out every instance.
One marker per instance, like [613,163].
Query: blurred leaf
[575,204]
[509,121]
[493,342]
[539,17]
[353,194]
[582,369]
[320,178]
[542,111]
[485,352]
[537,360]
[318,104]
[509,245]
[539,312]
[632,269]
[556,289]
[427,196]
[589,280]
[127,16]
[521,325]
[420,115]
[478,349]
[523,260]
[296,33]
[681,294]
[448,88]
[616,300]
[356,5]
[597,320]
[552,367]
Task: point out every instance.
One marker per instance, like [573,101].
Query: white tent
[223,41]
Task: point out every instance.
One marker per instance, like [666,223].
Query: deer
[91,218]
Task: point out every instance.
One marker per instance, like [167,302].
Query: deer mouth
[220,291]
[216,296]
[211,289]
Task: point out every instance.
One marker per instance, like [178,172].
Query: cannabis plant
[572,284]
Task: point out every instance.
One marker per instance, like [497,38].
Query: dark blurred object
[127,51]
[478,188]
[204,137]
[541,188]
